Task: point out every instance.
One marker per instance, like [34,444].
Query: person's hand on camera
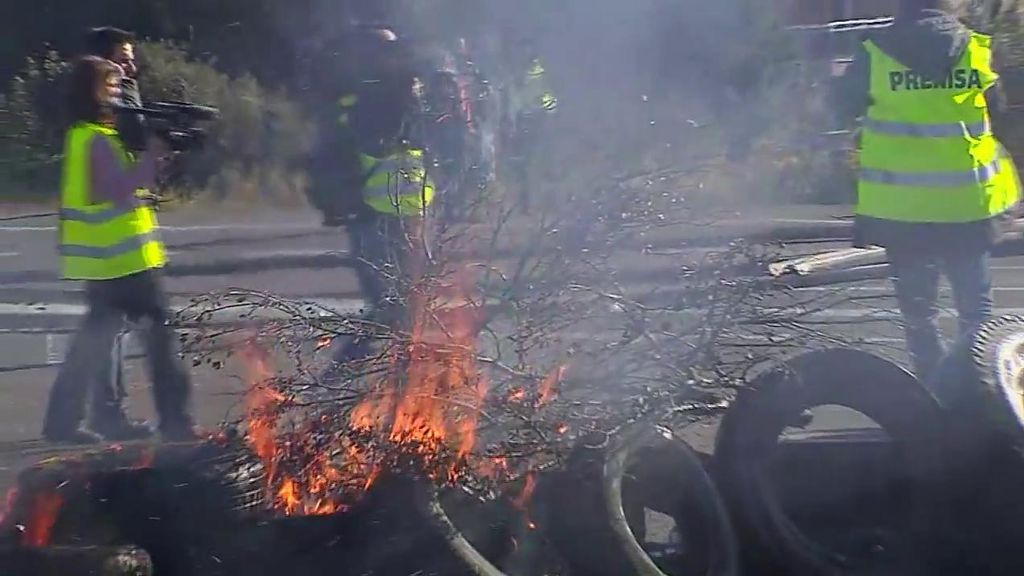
[148,197]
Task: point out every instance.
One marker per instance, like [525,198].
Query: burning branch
[516,338]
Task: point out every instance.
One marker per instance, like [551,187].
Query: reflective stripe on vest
[981,175]
[536,95]
[346,103]
[536,70]
[123,247]
[73,215]
[973,130]
[397,184]
[927,153]
[100,240]
[548,102]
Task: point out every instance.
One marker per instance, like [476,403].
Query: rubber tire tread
[971,387]
[877,388]
[701,500]
[580,521]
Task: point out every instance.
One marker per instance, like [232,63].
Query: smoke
[640,84]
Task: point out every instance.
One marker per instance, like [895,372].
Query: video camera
[177,123]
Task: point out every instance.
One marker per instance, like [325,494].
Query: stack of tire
[981,388]
[819,512]
[954,459]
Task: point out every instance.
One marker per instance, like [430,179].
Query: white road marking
[838,222]
[292,253]
[193,228]
[889,289]
[57,309]
[351,306]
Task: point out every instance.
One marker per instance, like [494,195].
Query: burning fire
[424,412]
[435,408]
[41,518]
[548,386]
[9,499]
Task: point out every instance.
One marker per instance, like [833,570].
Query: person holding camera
[118,46]
[107,413]
[109,240]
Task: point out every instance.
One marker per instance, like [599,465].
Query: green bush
[257,148]
[31,130]
[254,152]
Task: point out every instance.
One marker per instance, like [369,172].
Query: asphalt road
[37,311]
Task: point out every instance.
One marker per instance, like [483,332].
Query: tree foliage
[255,150]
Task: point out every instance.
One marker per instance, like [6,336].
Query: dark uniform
[385,197]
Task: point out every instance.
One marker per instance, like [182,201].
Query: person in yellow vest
[934,183]
[392,191]
[531,104]
[109,239]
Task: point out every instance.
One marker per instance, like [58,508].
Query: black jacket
[131,127]
[930,43]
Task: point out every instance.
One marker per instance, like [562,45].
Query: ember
[547,389]
[524,497]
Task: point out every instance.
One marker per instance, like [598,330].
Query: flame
[324,342]
[434,410]
[41,519]
[307,491]
[262,403]
[9,500]
[428,407]
[289,495]
[146,459]
[522,501]
[529,486]
[546,391]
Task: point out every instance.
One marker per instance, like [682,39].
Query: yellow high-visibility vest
[99,240]
[397,184]
[927,153]
[347,103]
[536,94]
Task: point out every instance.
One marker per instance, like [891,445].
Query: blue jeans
[139,296]
[916,277]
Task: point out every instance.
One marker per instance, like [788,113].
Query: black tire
[748,439]
[598,509]
[429,503]
[228,476]
[183,505]
[492,538]
[980,381]
[979,385]
[714,547]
